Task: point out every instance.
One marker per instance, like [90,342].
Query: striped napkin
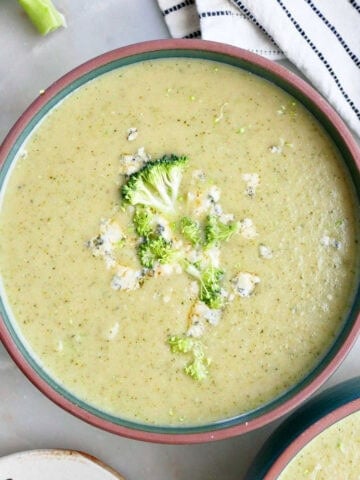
[321,37]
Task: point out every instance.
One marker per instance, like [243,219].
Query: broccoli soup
[179,242]
[335,453]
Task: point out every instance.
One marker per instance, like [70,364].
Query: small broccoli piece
[210,284]
[142,221]
[191,230]
[210,287]
[120,244]
[156,184]
[216,231]
[154,249]
[197,369]
[180,344]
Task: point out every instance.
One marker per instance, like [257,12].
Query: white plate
[54,465]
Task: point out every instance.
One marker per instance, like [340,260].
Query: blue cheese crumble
[132,134]
[247,228]
[252,181]
[127,278]
[104,243]
[327,241]
[244,283]
[199,315]
[132,163]
[265,252]
[113,331]
[205,202]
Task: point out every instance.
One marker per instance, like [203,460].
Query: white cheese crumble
[199,175]
[325,307]
[214,194]
[196,330]
[167,269]
[210,315]
[113,331]
[166,298]
[265,252]
[247,228]
[213,256]
[201,313]
[132,133]
[244,283]
[194,288]
[126,278]
[132,163]
[192,255]
[277,148]
[252,181]
[103,244]
[226,217]
[205,202]
[327,241]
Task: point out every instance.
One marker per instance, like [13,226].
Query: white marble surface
[28,420]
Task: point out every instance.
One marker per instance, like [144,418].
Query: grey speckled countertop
[29,63]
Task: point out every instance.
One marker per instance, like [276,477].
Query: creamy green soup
[257,161]
[334,454]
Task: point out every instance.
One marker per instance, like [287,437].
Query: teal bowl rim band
[322,411]
[250,63]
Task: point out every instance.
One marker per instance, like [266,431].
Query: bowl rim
[176,436]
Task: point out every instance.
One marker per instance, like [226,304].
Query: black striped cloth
[321,37]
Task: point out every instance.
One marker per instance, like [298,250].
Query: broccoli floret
[197,369]
[191,230]
[180,344]
[210,287]
[154,249]
[216,231]
[210,284]
[142,221]
[156,184]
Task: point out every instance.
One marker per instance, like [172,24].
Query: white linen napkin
[321,37]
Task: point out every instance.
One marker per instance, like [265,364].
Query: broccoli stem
[43,14]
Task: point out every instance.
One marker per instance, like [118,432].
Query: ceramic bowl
[304,425]
[332,124]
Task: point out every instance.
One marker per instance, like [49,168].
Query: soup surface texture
[335,453]
[146,346]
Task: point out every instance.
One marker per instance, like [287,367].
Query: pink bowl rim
[285,75]
[309,434]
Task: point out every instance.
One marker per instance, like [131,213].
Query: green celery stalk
[43,15]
